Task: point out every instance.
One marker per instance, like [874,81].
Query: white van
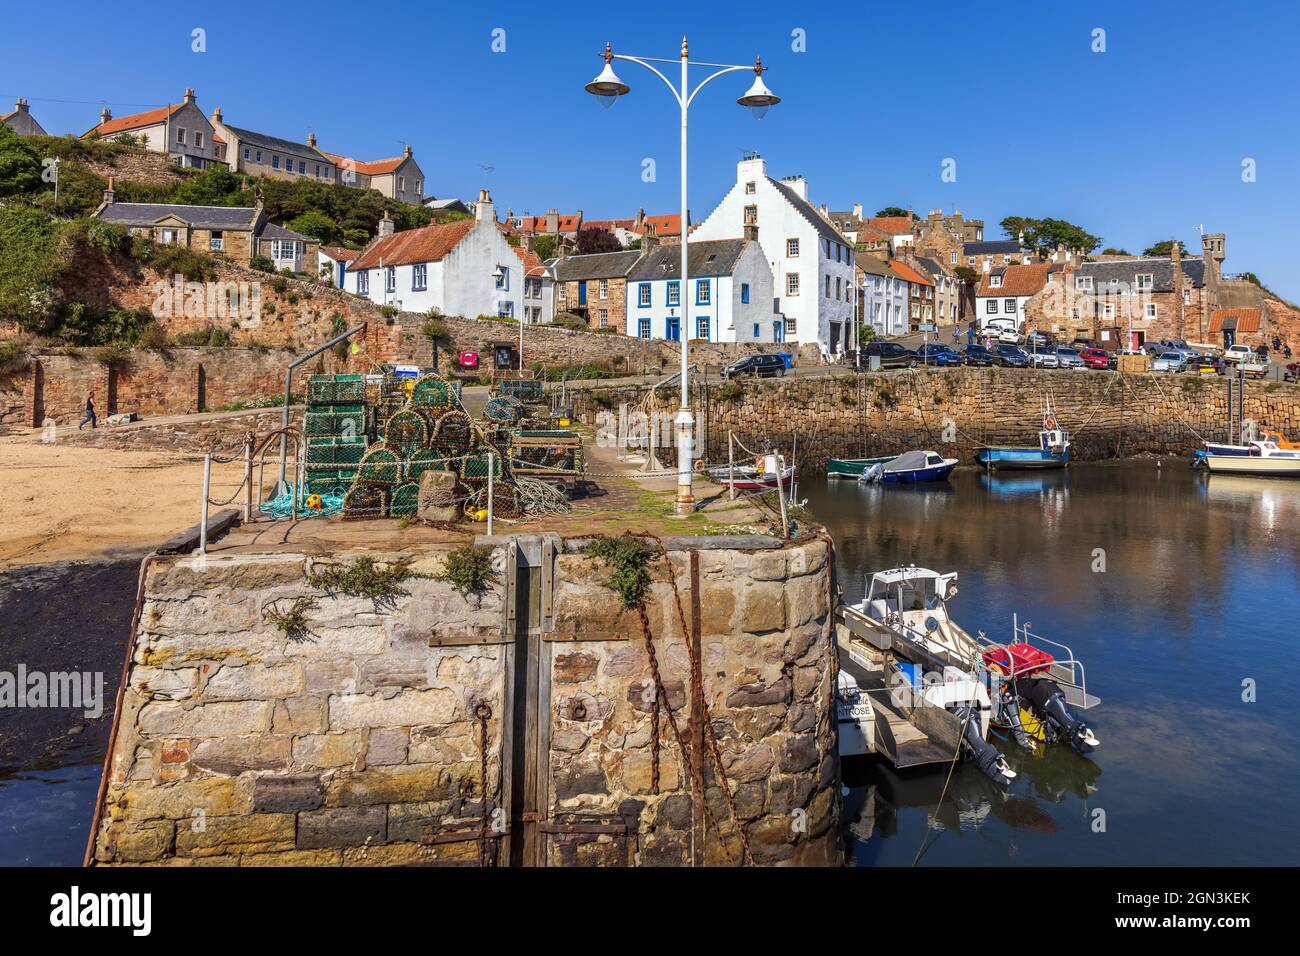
[1237,353]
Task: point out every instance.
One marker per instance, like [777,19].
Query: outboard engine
[1047,701]
[985,755]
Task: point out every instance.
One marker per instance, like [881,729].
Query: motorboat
[1263,458]
[953,686]
[909,468]
[851,469]
[763,474]
[1053,450]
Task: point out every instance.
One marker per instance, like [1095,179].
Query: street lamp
[607,88]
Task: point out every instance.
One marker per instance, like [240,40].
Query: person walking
[90,412]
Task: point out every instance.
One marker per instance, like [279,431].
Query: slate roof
[992,248]
[1123,273]
[1016,281]
[717,257]
[805,208]
[600,265]
[933,266]
[428,244]
[248,137]
[873,265]
[200,217]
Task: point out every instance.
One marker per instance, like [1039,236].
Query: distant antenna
[488,168]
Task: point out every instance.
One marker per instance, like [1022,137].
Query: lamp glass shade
[607,86]
[759,99]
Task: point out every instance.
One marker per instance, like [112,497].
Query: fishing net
[431,391]
[425,459]
[380,466]
[504,410]
[405,500]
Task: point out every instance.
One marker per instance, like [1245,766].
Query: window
[1009,306]
[837,287]
[318,170]
[604,318]
[1187,297]
[505,310]
[991,307]
[275,160]
[643,328]
[756,332]
[1151,310]
[180,136]
[247,153]
[284,250]
[604,288]
[390,279]
[703,292]
[792,248]
[751,215]
[302,167]
[828,287]
[401,184]
[792,283]
[1083,282]
[674,293]
[214,242]
[363,283]
[259,155]
[169,237]
[643,294]
[995,282]
[198,138]
[1108,310]
[750,189]
[1146,282]
[702,328]
[419,187]
[952,258]
[419,276]
[789,327]
[744,294]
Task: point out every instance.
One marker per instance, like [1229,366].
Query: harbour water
[1180,594]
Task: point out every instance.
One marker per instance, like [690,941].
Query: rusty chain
[483,712]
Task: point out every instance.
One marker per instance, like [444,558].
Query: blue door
[582,292]
[778,331]
[674,330]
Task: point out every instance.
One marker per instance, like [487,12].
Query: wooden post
[780,496]
[248,478]
[491,466]
[731,466]
[203,506]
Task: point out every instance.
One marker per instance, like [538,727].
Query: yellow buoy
[314,503]
[479,515]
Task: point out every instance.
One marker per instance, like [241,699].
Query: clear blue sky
[1137,144]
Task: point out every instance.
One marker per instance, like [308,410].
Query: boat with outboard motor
[764,474]
[1053,449]
[910,468]
[964,688]
[1261,458]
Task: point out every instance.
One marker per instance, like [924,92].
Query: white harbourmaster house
[459,268]
[730,290]
[811,263]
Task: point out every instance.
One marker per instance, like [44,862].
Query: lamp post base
[685,423]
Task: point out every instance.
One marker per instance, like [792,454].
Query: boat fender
[1048,701]
[991,763]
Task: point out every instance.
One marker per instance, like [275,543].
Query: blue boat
[1221,448]
[910,468]
[1053,449]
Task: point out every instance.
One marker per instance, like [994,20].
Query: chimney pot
[407,151]
[105,115]
[189,94]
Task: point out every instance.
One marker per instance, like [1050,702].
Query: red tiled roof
[529,259]
[134,121]
[429,244]
[1247,319]
[535,224]
[1016,280]
[889,225]
[380,166]
[609,224]
[339,254]
[670,225]
[908,273]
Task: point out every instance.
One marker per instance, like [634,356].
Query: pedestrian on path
[90,412]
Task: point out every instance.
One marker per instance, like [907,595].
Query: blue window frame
[702,292]
[419,276]
[643,328]
[756,332]
[643,295]
[744,298]
[363,283]
[674,293]
[702,328]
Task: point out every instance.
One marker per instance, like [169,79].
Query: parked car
[1169,361]
[892,355]
[978,355]
[1003,330]
[763,366]
[1095,358]
[1067,357]
[937,354]
[1153,349]
[1040,356]
[1207,365]
[1037,339]
[1010,356]
[1236,353]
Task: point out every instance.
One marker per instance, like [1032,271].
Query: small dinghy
[760,476]
[909,468]
[1053,449]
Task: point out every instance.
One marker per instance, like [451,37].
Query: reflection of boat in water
[941,691]
[1021,484]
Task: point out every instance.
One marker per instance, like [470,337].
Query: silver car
[1067,357]
[1042,357]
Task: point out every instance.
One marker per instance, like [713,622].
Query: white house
[883,296]
[810,262]
[1004,290]
[334,261]
[539,287]
[459,268]
[729,289]
[178,129]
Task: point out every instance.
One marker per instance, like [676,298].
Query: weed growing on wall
[469,568]
[362,578]
[629,557]
[290,621]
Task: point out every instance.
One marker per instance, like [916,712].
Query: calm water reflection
[1199,593]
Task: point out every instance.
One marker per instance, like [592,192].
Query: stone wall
[953,411]
[359,741]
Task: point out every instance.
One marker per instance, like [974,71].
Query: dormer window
[1146,282]
[995,282]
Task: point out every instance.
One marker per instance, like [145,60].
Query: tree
[317,225]
[1163,248]
[1112,251]
[544,246]
[20,167]
[1044,235]
[967,274]
[597,240]
[435,332]
[894,212]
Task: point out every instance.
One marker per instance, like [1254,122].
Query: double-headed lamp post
[608,88]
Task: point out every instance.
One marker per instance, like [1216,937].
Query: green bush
[15,355]
[567,320]
[261,264]
[469,568]
[630,558]
[210,336]
[112,356]
[730,391]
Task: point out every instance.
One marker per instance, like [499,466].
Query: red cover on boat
[1027,658]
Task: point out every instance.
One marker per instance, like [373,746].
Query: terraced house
[594,287]
[259,154]
[180,130]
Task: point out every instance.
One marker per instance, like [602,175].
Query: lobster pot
[405,500]
[380,466]
[452,430]
[505,501]
[431,391]
[522,389]
[365,501]
[341,420]
[426,459]
[320,390]
[404,433]
[329,481]
[474,467]
[503,411]
[349,389]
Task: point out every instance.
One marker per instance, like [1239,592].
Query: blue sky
[1136,144]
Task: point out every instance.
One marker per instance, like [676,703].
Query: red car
[1095,358]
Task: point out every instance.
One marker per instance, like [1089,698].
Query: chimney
[385,225]
[751,233]
[105,115]
[311,139]
[552,221]
[21,105]
[752,168]
[188,99]
[857,210]
[216,115]
[799,185]
[407,152]
[109,195]
[649,239]
[484,211]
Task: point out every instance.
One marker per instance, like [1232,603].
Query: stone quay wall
[954,411]
[360,739]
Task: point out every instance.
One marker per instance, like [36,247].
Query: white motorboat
[939,672]
[1263,458]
